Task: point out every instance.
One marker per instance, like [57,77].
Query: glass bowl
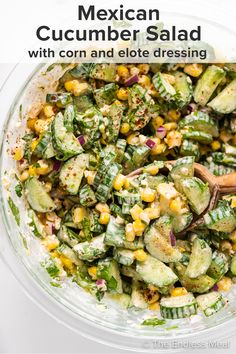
[69,304]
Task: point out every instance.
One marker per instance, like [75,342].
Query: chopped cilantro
[153,322]
[15,210]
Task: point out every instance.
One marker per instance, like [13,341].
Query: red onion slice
[215,288]
[161,132]
[150,143]
[132,80]
[56,166]
[172,239]
[81,140]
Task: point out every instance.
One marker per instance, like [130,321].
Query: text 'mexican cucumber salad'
[151,238]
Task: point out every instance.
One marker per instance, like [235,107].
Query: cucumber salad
[123,235]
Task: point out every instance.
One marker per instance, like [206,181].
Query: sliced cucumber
[35,224]
[115,233]
[200,121]
[69,116]
[154,181]
[105,186]
[61,98]
[221,219]
[207,84]
[196,190]
[201,137]
[220,157]
[103,166]
[108,270]
[83,103]
[219,265]
[183,86]
[124,300]
[114,120]
[233,265]
[67,252]
[87,196]
[89,124]
[105,95]
[71,173]
[199,285]
[210,303]
[135,245]
[82,70]
[190,148]
[155,272]
[91,250]
[123,256]
[64,142]
[38,198]
[165,90]
[225,101]
[200,259]
[68,236]
[182,168]
[178,306]
[137,297]
[181,222]
[105,72]
[229,149]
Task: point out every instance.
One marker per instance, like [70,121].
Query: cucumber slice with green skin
[69,116]
[115,233]
[225,101]
[64,142]
[220,157]
[124,300]
[123,256]
[154,181]
[83,103]
[95,226]
[229,149]
[60,98]
[233,265]
[130,272]
[104,189]
[207,84]
[103,166]
[219,265]
[155,272]
[82,71]
[183,168]
[159,247]
[210,303]
[87,196]
[198,136]
[178,306]
[38,198]
[105,72]
[190,148]
[89,124]
[68,236]
[120,149]
[42,144]
[105,95]
[218,170]
[140,155]
[134,245]
[108,270]
[183,86]
[114,120]
[164,226]
[137,298]
[221,219]
[200,259]
[200,285]
[67,252]
[165,90]
[91,250]
[200,121]
[71,173]
[196,190]
[35,224]
[181,222]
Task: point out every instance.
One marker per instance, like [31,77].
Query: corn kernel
[135,211]
[169,78]
[119,181]
[122,71]
[157,122]
[18,153]
[93,272]
[122,94]
[170,126]
[66,262]
[133,139]
[129,232]
[102,208]
[216,145]
[144,68]
[224,284]
[89,175]
[144,81]
[76,87]
[24,175]
[178,291]
[127,183]
[158,149]
[140,255]
[104,218]
[176,205]
[42,168]
[139,227]
[174,115]
[31,122]
[173,139]
[34,144]
[153,213]
[148,195]
[125,128]
[155,306]
[41,125]
[79,214]
[152,170]
[234,247]
[32,171]
[48,111]
[194,70]
[51,243]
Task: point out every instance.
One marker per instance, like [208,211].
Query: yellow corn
[90,176]
[225,245]
[135,211]
[173,139]
[144,81]
[48,111]
[34,144]
[157,122]
[122,71]
[216,145]
[18,153]
[76,87]
[42,168]
[154,307]
[169,78]
[144,68]
[79,214]
[41,125]
[24,175]
[148,195]
[139,227]
[125,128]
[104,218]
[152,170]
[126,183]
[102,208]
[234,247]
[174,115]
[225,136]
[224,284]
[178,291]
[194,70]
[129,232]
[32,171]
[140,255]
[122,94]
[119,181]
[158,149]
[170,126]
[66,262]
[31,122]
[233,201]
[51,243]
[133,139]
[153,213]
[232,236]
[93,272]
[176,205]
